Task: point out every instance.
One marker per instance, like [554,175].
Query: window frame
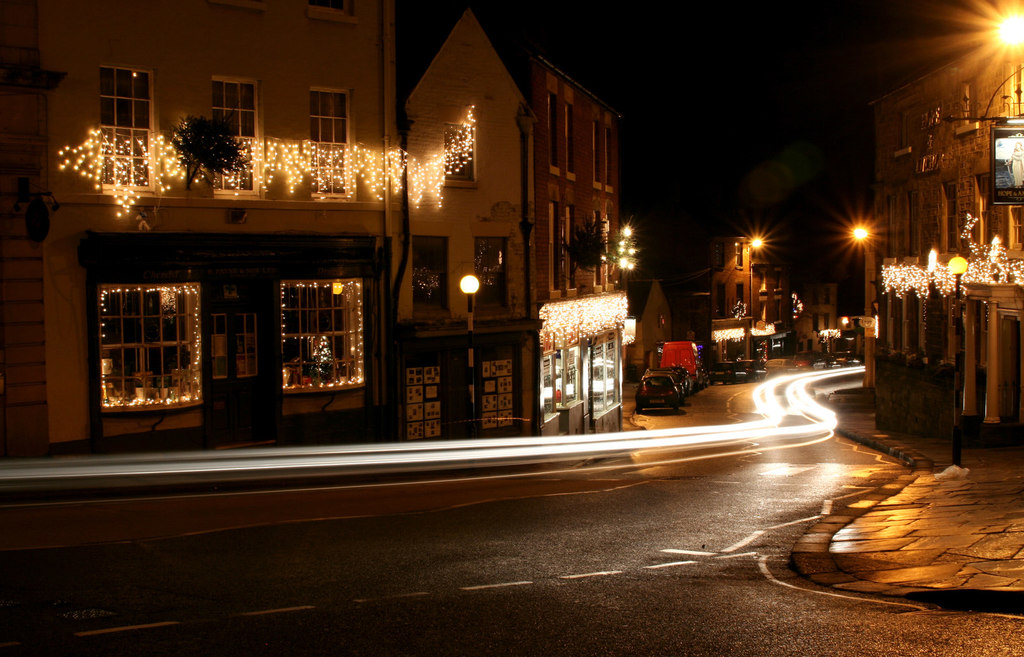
[493,277]
[441,247]
[350,333]
[250,175]
[326,154]
[111,144]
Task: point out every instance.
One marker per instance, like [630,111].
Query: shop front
[212,341]
[581,365]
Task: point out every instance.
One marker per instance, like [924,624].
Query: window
[150,346]
[489,265]
[124,126]
[952,225]
[321,334]
[570,141]
[568,226]
[720,299]
[718,255]
[603,374]
[738,249]
[1012,90]
[553,129]
[965,100]
[328,130]
[892,242]
[429,272]
[234,103]
[981,192]
[912,227]
[459,152]
[557,254]
[607,156]
[1016,227]
[598,168]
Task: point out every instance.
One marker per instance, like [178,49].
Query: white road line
[763,565]
[126,628]
[669,564]
[744,542]
[494,586]
[826,507]
[602,573]
[736,556]
[399,596]
[696,553]
[282,610]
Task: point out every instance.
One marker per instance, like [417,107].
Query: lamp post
[957,266]
[469,286]
[861,236]
[755,243]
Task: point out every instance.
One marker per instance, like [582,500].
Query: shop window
[234,103]
[489,264]
[604,378]
[322,334]
[150,346]
[124,126]
[429,272]
[328,133]
[549,380]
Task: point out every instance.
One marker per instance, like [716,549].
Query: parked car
[679,375]
[658,390]
[755,369]
[846,359]
[779,366]
[685,354]
[728,372]
[812,360]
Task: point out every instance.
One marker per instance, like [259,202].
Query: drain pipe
[525,120]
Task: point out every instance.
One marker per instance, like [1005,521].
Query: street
[663,557]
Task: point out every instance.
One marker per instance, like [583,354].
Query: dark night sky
[751,118]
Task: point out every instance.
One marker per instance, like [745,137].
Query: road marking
[126,628]
[763,565]
[786,470]
[481,587]
[417,594]
[669,564]
[736,556]
[826,507]
[744,542]
[601,573]
[696,553]
[276,611]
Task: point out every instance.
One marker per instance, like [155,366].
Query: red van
[684,353]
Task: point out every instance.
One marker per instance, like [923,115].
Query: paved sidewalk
[927,533]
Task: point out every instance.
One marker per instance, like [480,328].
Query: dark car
[812,360]
[846,359]
[755,369]
[658,390]
[679,375]
[728,372]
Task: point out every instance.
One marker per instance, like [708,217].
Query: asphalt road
[662,557]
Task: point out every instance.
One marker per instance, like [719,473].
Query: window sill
[460,184]
[330,15]
[973,126]
[903,152]
[252,5]
[150,408]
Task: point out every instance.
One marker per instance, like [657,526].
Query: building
[185,305]
[946,187]
[750,301]
[818,327]
[653,325]
[469,199]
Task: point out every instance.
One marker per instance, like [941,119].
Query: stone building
[944,187]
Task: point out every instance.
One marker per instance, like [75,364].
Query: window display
[322,334]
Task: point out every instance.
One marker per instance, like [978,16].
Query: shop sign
[1008,165]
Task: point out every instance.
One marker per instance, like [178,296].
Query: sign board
[1008,165]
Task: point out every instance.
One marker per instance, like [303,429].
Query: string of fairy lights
[987,264]
[125,166]
[565,322]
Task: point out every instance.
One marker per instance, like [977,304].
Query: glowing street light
[860,233]
[469,284]
[1011,31]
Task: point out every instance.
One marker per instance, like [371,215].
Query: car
[679,375]
[728,372]
[779,366]
[846,359]
[812,360]
[660,390]
[755,369]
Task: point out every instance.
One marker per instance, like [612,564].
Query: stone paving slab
[924,531]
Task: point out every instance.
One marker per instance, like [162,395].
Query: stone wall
[911,400]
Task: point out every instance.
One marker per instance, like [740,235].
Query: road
[647,556]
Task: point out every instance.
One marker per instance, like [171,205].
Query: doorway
[240,409]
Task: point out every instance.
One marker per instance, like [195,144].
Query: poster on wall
[1008,165]
[422,401]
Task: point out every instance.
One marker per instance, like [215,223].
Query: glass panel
[321,347]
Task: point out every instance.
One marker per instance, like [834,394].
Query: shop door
[240,409]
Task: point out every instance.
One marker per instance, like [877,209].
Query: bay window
[322,334]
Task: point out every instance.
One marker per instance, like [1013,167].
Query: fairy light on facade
[769,329]
[986,265]
[322,335]
[731,334]
[127,168]
[566,322]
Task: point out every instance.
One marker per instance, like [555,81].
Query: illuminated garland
[825,334]
[769,329]
[986,265]
[332,169]
[732,334]
[567,321]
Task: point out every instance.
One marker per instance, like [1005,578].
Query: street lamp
[957,266]
[469,286]
[755,243]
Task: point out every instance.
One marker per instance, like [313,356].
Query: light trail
[801,418]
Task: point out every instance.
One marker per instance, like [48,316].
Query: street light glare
[756,243]
[860,233]
[1012,30]
[469,284]
[957,265]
